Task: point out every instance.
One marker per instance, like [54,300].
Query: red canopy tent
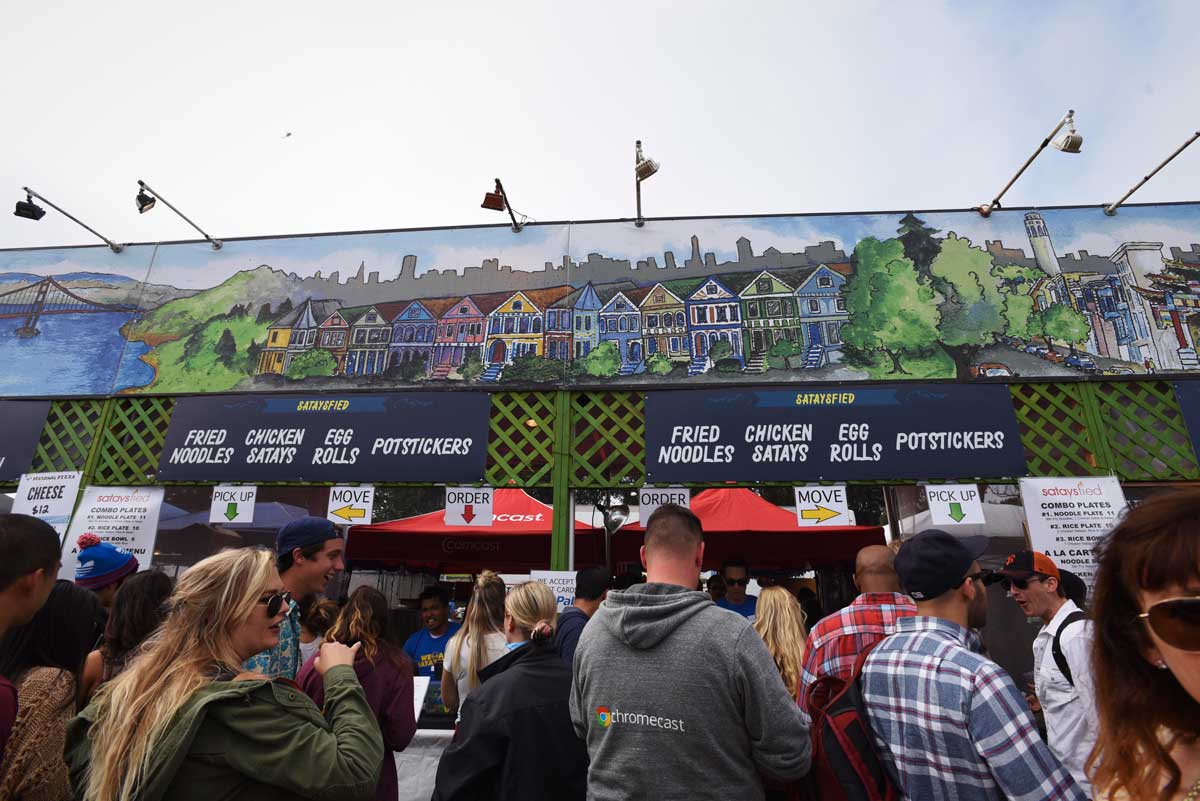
[740,523]
[517,541]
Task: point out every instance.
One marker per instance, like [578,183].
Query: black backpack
[1060,659]
[846,763]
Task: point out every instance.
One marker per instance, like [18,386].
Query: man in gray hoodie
[675,696]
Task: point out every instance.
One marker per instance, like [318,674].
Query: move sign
[351,506]
[232,505]
[909,431]
[822,506]
[405,436]
[954,505]
[468,506]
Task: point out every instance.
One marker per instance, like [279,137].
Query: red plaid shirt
[836,641]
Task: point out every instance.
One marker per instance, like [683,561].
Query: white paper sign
[127,517]
[1068,516]
[822,506]
[232,505]
[469,506]
[49,497]
[351,506]
[420,688]
[650,498]
[955,505]
[513,579]
[560,582]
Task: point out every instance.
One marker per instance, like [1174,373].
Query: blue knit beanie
[102,563]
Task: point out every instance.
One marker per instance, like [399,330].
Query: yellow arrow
[349,512]
[820,514]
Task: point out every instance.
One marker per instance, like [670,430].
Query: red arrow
[469,513]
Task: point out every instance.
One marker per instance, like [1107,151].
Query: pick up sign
[954,505]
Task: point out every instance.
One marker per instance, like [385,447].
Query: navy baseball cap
[933,562]
[304,531]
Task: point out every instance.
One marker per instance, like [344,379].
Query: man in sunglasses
[1062,678]
[951,721]
[309,553]
[737,577]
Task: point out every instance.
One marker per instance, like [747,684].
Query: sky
[402,114]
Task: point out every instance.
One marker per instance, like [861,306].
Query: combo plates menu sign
[860,434]
[410,436]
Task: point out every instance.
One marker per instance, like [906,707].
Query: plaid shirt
[836,641]
[952,722]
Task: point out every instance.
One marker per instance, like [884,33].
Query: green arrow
[231,511]
[956,512]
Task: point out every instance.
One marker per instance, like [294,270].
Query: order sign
[870,433]
[406,436]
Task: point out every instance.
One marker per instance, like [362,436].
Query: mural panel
[847,297]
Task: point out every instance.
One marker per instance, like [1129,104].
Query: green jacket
[251,740]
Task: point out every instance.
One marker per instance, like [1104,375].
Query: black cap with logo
[933,562]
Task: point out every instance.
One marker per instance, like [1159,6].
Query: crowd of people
[240,681]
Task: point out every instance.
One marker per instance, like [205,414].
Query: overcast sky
[402,115]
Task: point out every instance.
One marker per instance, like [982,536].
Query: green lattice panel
[608,442]
[1054,422]
[521,439]
[67,438]
[132,441]
[1145,430]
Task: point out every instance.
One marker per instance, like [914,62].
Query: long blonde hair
[779,620]
[485,615]
[134,710]
[534,610]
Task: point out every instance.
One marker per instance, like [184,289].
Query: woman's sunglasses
[275,602]
[1176,621]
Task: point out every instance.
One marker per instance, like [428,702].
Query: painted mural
[917,295]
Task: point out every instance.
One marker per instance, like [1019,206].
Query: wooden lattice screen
[67,438]
[608,439]
[131,441]
[1144,428]
[521,439]
[1057,429]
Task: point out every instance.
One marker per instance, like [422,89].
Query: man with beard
[951,721]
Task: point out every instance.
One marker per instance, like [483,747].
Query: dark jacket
[251,740]
[516,740]
[388,684]
[566,635]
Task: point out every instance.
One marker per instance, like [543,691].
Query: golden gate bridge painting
[29,303]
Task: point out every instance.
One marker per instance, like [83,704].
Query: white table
[416,766]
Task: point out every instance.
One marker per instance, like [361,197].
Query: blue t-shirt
[428,652]
[746,608]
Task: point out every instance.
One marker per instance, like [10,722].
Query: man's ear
[1053,590]
[642,554]
[298,556]
[700,558]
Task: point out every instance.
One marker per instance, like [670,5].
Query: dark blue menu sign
[21,424]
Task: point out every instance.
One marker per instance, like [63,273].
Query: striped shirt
[952,723]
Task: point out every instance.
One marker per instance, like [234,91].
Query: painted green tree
[604,361]
[1020,317]
[785,353]
[472,365]
[659,364]
[252,352]
[1061,322]
[226,348]
[720,350]
[1016,277]
[892,313]
[920,245]
[312,364]
[532,370]
[264,313]
[972,306]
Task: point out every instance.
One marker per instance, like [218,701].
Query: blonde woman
[516,740]
[479,643]
[181,722]
[780,623]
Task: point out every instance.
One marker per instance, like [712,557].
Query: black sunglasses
[275,602]
[1021,583]
[1176,621]
[743,582]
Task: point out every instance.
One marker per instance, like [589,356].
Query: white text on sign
[232,505]
[469,506]
[650,498]
[822,506]
[954,505]
[351,505]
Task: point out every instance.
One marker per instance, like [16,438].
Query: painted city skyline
[760,299]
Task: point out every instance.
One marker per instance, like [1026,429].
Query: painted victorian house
[370,334]
[822,311]
[573,325]
[414,329]
[621,324]
[293,334]
[515,327]
[664,322]
[714,315]
[769,315]
[333,334]
[462,329]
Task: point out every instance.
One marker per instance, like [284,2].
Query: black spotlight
[29,210]
[144,202]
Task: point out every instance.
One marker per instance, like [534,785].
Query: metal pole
[637,182]
[216,243]
[516,226]
[986,209]
[1112,209]
[111,244]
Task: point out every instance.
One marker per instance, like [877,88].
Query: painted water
[73,354]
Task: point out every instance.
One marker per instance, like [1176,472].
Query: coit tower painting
[1039,238]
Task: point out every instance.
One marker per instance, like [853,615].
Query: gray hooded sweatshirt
[679,699]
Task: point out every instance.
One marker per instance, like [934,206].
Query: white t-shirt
[1070,711]
[307,649]
[456,664]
